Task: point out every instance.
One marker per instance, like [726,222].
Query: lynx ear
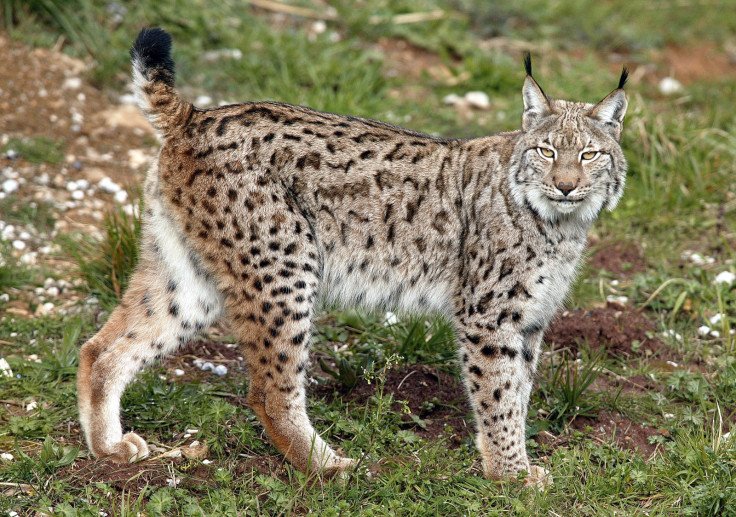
[612,109]
[536,103]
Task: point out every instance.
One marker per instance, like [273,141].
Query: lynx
[256,211]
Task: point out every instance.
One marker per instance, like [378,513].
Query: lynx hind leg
[155,317]
[270,309]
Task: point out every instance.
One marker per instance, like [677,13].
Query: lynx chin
[256,211]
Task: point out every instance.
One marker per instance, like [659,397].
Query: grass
[680,196]
[106,265]
[36,150]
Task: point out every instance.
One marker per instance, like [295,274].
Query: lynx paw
[538,478]
[337,466]
[131,448]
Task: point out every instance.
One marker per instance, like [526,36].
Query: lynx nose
[565,188]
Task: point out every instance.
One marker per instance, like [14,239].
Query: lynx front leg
[499,369]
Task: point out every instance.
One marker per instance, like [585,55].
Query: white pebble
[71,186]
[704,330]
[715,334]
[19,245]
[121,196]
[5,368]
[24,236]
[178,372]
[127,98]
[451,99]
[31,405]
[319,26]
[725,277]
[198,363]
[220,370]
[6,456]
[207,367]
[78,195]
[206,462]
[10,186]
[390,319]
[5,297]
[108,185]
[71,83]
[673,364]
[672,333]
[83,184]
[716,319]
[670,86]
[203,100]
[192,431]
[623,300]
[8,232]
[478,100]
[52,291]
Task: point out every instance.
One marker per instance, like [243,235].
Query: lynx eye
[546,153]
[590,155]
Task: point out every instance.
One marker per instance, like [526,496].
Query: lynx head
[567,163]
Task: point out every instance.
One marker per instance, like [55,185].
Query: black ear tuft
[624,77]
[528,63]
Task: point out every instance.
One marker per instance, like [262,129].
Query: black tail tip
[528,63]
[152,48]
[624,77]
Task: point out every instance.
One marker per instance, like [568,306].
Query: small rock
[207,367]
[78,195]
[108,185]
[390,319]
[19,245]
[670,86]
[31,405]
[725,277]
[203,100]
[716,319]
[11,154]
[71,83]
[5,369]
[451,99]
[77,165]
[178,372]
[220,370]
[226,53]
[127,98]
[703,330]
[715,334]
[121,196]
[10,186]
[478,100]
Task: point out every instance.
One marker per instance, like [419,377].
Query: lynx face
[570,164]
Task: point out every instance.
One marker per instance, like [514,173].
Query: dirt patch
[190,358]
[617,257]
[704,61]
[620,330]
[436,397]
[616,429]
[406,59]
[137,476]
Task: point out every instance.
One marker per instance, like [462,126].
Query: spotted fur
[255,210]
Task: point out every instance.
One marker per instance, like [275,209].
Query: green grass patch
[37,150]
